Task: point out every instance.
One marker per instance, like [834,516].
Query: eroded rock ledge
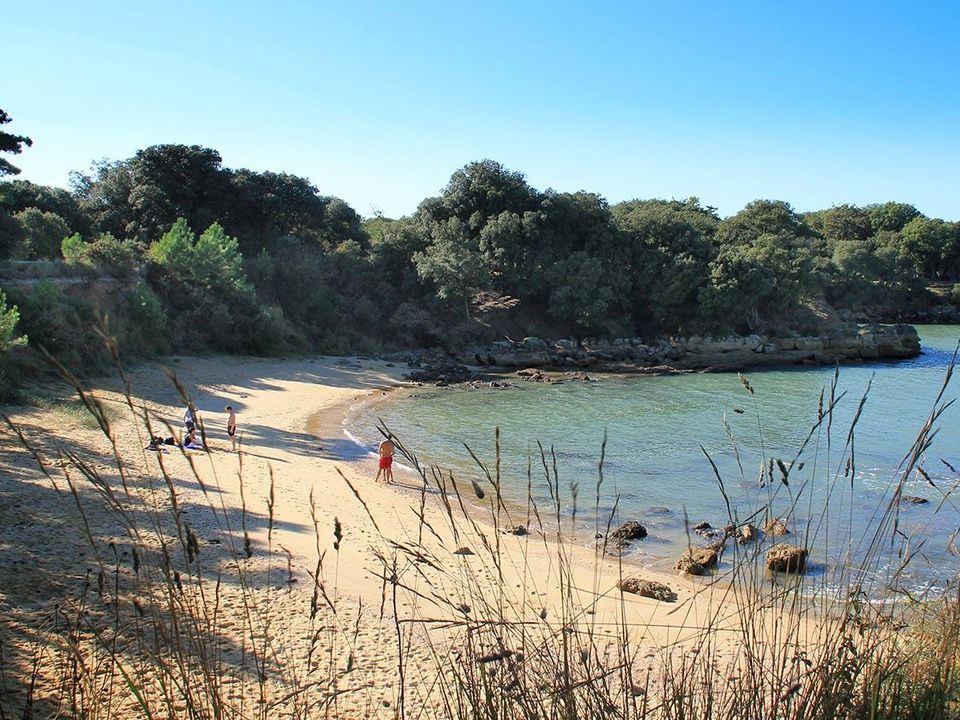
[865,342]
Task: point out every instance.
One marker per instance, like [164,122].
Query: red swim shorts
[386,461]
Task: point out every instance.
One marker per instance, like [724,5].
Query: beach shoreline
[299,491]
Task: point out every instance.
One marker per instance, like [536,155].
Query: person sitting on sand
[191,441]
[231,426]
[385,451]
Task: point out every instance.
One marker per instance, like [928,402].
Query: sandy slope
[45,553]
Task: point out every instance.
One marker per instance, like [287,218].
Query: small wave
[358,442]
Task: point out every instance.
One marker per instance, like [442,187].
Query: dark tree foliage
[762,217]
[282,267]
[489,230]
[579,263]
[479,192]
[669,247]
[752,284]
[10,143]
[140,198]
[11,234]
[43,232]
[891,216]
[262,208]
[393,245]
[843,222]
[19,195]
[473,229]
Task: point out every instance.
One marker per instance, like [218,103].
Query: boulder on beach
[696,561]
[688,566]
[647,588]
[787,559]
[775,527]
[630,530]
[706,556]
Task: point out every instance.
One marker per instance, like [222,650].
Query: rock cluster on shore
[698,560]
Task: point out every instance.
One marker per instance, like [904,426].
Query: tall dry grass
[158,630]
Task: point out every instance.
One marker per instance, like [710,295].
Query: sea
[830,450]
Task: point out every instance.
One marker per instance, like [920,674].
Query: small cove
[655,427]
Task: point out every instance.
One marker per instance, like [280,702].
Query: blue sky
[816,103]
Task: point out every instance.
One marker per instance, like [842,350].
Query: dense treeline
[192,256]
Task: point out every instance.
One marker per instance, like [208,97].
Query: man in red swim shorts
[385,451]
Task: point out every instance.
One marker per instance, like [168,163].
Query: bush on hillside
[43,232]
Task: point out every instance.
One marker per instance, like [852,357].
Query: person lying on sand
[157,443]
[385,451]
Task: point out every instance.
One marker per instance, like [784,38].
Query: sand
[333,645]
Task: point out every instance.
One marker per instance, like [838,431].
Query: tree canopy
[10,143]
[233,259]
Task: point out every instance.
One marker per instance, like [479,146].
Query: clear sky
[816,103]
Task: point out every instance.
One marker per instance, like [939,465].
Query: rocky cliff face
[863,342]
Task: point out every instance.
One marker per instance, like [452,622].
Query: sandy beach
[402,572]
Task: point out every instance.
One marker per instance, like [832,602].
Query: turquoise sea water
[655,426]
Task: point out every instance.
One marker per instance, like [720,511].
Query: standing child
[385,463]
[232,426]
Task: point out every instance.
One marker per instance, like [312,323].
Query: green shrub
[63,325]
[116,257]
[11,234]
[73,249]
[9,317]
[148,321]
[43,233]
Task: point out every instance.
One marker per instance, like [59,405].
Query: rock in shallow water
[696,561]
[775,526]
[630,530]
[787,558]
[746,533]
